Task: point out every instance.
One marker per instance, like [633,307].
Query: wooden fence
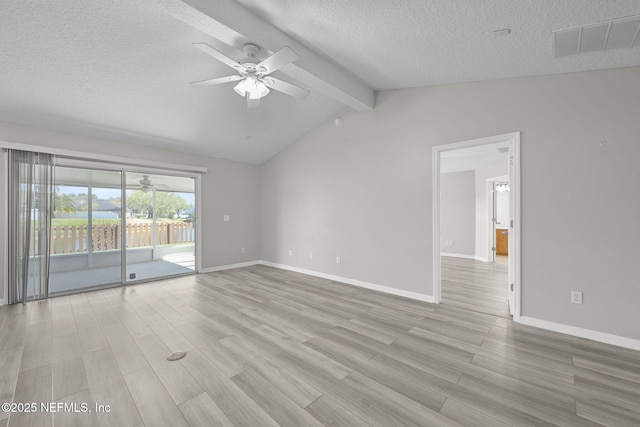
[68,239]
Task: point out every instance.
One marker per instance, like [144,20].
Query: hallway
[475,285]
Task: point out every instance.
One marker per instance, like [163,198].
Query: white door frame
[513,139]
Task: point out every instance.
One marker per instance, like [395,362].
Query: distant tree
[62,203]
[81,201]
[140,202]
[167,204]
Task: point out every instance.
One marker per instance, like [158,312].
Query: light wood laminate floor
[475,285]
[267,347]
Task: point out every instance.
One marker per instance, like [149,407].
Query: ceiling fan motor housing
[251,50]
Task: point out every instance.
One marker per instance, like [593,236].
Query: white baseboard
[476,258]
[229,266]
[582,333]
[1,301]
[354,282]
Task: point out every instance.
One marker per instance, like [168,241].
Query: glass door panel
[160,226]
[85,229]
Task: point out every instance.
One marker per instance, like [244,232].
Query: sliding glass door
[99,213]
[160,226]
[85,229]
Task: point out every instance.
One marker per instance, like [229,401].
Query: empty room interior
[319,213]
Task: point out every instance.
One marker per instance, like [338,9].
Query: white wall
[458,213]
[229,188]
[483,220]
[363,190]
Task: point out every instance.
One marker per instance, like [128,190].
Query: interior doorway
[498,212]
[470,271]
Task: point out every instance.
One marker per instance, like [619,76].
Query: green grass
[82,221]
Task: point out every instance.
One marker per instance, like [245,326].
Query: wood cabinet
[502,241]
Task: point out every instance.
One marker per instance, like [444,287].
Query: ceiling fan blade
[252,103]
[278,60]
[218,55]
[287,88]
[217,81]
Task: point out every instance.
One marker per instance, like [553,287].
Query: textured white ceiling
[410,43]
[120,69]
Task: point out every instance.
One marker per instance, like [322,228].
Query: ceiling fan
[254,77]
[146,185]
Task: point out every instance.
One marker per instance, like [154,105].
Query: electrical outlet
[576,297]
[226,218]
[310,255]
[290,252]
[338,260]
[242,250]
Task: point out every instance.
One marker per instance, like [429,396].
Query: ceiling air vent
[616,34]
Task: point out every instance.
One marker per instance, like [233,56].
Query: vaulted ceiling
[121,69]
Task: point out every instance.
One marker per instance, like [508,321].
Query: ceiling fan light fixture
[241,88]
[261,90]
[252,87]
[502,186]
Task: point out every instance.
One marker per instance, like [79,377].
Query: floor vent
[615,34]
[176,356]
